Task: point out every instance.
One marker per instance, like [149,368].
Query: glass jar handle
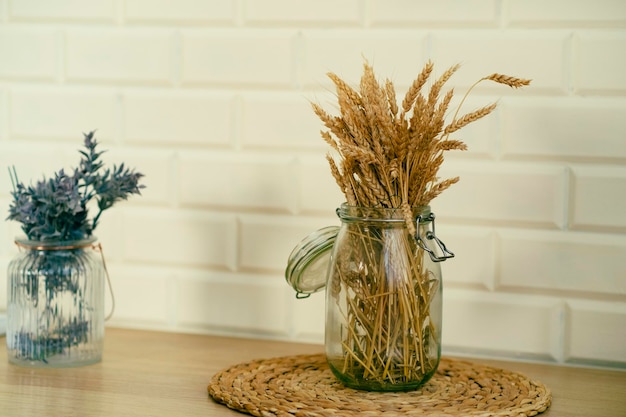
[430,235]
[98,248]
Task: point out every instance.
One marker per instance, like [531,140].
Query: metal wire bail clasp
[430,235]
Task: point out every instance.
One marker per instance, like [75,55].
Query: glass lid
[307,266]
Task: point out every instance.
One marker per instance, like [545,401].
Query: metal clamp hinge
[430,235]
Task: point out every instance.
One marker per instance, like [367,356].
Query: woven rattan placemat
[303,386]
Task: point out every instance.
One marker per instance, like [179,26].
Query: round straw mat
[304,386]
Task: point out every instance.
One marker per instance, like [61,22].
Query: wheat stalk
[469,118]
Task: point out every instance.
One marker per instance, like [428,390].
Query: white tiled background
[210,99]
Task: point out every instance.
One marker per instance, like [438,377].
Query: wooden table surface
[166,374]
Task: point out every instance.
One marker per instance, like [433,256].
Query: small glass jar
[384,300]
[55,305]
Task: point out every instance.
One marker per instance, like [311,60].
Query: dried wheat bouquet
[388,155]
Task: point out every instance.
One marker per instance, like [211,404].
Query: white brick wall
[28,53]
[210,99]
[138,56]
[60,112]
[217,12]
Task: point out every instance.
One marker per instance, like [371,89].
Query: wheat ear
[507,80]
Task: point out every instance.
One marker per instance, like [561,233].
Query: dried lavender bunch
[56,209]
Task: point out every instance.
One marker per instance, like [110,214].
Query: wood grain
[166,374]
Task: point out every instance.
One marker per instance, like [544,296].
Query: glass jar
[384,299]
[55,305]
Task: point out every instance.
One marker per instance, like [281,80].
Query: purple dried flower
[56,208]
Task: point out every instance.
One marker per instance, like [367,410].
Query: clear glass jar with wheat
[383,302]
[384,299]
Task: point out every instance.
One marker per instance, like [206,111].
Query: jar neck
[349,213]
[55,244]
